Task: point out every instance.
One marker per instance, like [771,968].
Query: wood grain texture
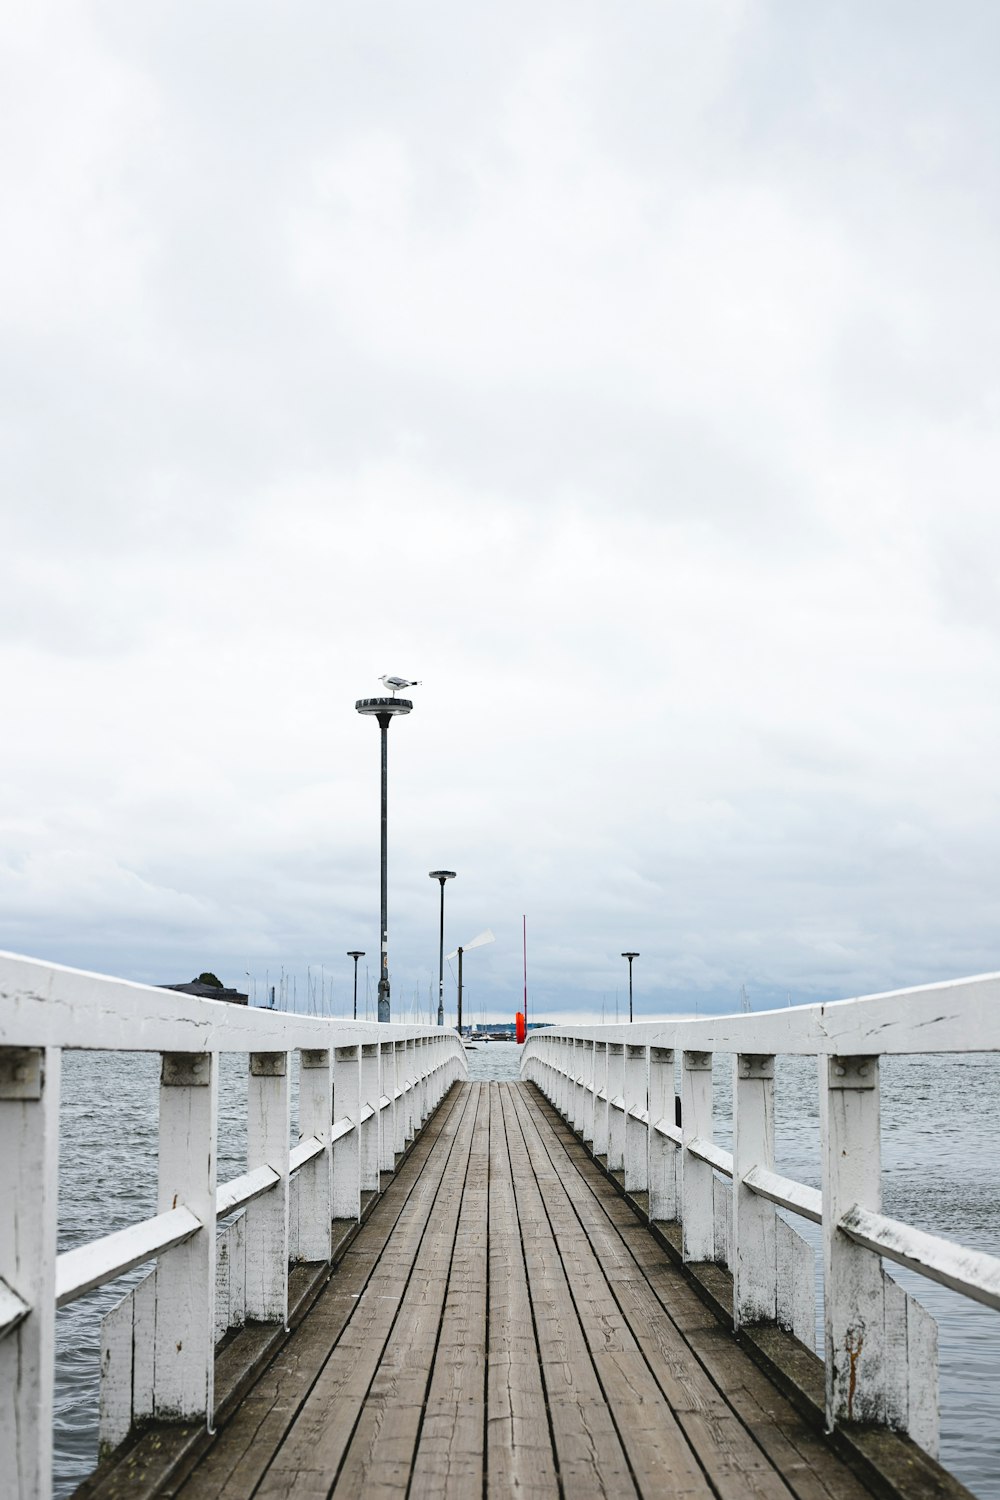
[503,1325]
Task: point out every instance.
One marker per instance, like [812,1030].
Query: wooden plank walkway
[503,1325]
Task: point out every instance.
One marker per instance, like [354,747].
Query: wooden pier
[504,1325]
[431,1287]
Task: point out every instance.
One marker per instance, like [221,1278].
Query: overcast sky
[627,373]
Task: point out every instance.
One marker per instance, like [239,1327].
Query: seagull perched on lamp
[397,684]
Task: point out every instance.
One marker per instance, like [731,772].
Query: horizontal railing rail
[616,1086]
[365,1091]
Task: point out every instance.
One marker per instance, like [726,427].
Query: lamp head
[630,956]
[442,875]
[355,953]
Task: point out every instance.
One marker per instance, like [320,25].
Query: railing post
[636,1097]
[387,1116]
[399,1077]
[587,1069]
[369,1129]
[268,1127]
[853,1282]
[755,1267]
[347,1150]
[184,1351]
[410,1053]
[315,1195]
[579,1092]
[29,1184]
[420,1109]
[697,1177]
[600,1105]
[663,1154]
[616,1117]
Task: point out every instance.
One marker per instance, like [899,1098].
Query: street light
[356,953]
[384,709]
[630,957]
[442,876]
[477,942]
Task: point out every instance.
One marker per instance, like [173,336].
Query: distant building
[207,987]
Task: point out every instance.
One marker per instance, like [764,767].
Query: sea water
[941,1172]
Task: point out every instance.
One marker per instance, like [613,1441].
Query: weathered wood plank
[705,1374]
[450,1456]
[659,1454]
[247,1444]
[317,1441]
[520,1458]
[513,1329]
[385,1447]
[589,1451]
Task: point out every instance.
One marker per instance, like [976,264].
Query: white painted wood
[971,1272]
[43,1004]
[715,1156]
[923,1406]
[303,1152]
[661,1153]
[755,1268]
[368,1129]
[408,1085]
[244,1189]
[387,1114]
[675,1134]
[294,1180]
[616,1115]
[238,1271]
[796,1290]
[347,1150]
[588,1091]
[13,1309]
[143,1347]
[957,1016]
[29,1174]
[697,1193]
[79,1271]
[636,1134]
[853,1283]
[223,1247]
[802,1200]
[601,1111]
[896,1387]
[184,1353]
[722,1221]
[115,1420]
[315,1179]
[399,1051]
[268,1126]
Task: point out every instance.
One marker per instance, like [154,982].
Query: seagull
[397,684]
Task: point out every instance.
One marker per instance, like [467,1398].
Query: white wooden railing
[615,1085]
[365,1090]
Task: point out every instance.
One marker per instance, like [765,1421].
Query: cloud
[627,378]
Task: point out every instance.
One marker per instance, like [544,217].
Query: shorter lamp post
[477,942]
[356,953]
[630,957]
[441,876]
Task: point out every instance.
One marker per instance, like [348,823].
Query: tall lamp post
[441,876]
[383,710]
[356,953]
[630,957]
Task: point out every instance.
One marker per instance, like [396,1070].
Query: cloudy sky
[627,373]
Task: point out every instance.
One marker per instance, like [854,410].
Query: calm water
[940,1139]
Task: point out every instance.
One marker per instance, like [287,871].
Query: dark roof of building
[207,992]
